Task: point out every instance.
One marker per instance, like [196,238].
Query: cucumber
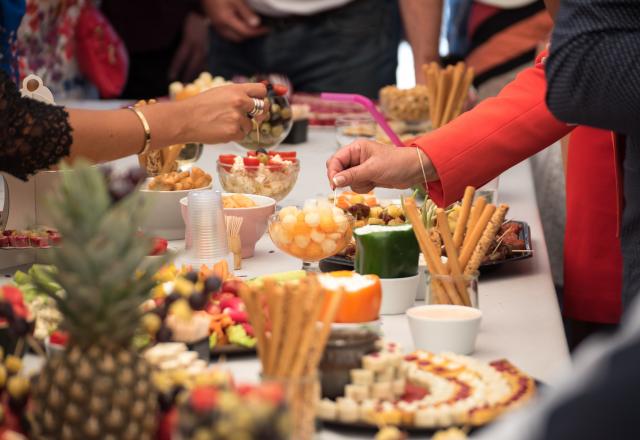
[386,251]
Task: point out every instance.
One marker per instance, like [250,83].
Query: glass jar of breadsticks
[453,280]
[440,286]
[292,322]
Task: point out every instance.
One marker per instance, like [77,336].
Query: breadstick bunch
[466,247]
[447,90]
[292,326]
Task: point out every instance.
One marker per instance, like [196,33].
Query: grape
[164,334]
[173,296]
[119,189]
[6,311]
[197,301]
[192,276]
[212,284]
[20,327]
[136,176]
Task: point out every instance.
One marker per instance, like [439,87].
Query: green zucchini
[386,251]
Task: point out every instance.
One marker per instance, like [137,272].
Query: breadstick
[440,93]
[275,301]
[249,297]
[456,84]
[313,307]
[461,225]
[428,248]
[487,238]
[452,257]
[474,215]
[474,236]
[468,80]
[291,335]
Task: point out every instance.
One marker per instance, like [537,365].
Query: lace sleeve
[33,135]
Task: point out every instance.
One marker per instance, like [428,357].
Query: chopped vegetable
[386,251]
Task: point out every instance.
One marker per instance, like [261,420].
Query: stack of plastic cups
[208,230]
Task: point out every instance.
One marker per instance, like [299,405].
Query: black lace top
[33,135]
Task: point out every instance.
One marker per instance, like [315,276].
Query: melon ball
[289,210]
[329,247]
[301,241]
[317,236]
[289,221]
[312,219]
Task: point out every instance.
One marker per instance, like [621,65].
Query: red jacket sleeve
[494,136]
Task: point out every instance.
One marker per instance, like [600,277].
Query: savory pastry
[178,181]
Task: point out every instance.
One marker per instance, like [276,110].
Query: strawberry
[204,399]
[159,246]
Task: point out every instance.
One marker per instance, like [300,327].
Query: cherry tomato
[280,89]
[227,158]
[286,155]
[275,166]
[251,161]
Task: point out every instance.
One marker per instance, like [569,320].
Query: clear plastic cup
[207,228]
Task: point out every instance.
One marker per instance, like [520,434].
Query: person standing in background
[166,41]
[320,45]
[594,79]
[45,46]
[498,38]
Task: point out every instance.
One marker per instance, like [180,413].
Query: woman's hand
[363,165]
[220,115]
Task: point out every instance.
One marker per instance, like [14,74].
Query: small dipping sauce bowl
[439,328]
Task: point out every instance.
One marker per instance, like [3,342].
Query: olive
[265,128]
[262,150]
[286,113]
[275,108]
[277,131]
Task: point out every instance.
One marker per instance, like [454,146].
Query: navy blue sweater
[593,74]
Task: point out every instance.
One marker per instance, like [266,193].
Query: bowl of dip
[439,328]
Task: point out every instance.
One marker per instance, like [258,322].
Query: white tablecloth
[521,315]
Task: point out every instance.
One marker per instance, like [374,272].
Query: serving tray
[338,262]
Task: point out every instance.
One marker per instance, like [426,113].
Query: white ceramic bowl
[164,218]
[439,328]
[398,294]
[254,223]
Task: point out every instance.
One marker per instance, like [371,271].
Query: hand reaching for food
[220,114]
[364,165]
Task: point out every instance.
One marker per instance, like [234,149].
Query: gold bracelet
[147,130]
[424,174]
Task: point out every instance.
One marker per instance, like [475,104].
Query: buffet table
[521,319]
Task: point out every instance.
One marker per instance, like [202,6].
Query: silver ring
[258,108]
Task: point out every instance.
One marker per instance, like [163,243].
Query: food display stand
[521,316]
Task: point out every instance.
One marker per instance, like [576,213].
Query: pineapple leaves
[101,263]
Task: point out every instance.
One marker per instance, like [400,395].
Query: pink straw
[371,108]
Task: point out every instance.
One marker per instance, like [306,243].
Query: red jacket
[501,132]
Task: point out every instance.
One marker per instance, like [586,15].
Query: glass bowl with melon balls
[318,230]
[277,122]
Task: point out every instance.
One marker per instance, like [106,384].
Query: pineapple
[100,387]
